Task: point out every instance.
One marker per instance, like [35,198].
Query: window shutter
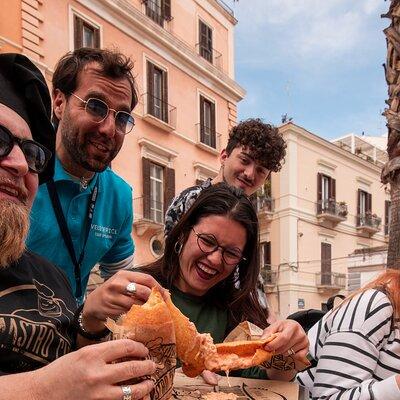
[169,187]
[167,9]
[369,202]
[332,193]
[150,88]
[213,133]
[96,33]
[202,34]
[319,192]
[146,187]
[209,40]
[358,206]
[326,263]
[165,97]
[202,139]
[387,210]
[267,254]
[78,32]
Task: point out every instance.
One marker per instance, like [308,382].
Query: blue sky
[320,61]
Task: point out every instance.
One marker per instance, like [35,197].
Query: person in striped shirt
[356,346]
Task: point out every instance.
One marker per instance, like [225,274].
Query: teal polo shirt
[109,239]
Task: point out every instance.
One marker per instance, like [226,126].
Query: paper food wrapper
[160,340]
[248,331]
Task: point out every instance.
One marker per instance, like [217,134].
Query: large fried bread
[153,312]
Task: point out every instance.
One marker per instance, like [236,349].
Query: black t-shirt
[36,314]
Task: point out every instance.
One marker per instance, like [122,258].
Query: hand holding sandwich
[89,373]
[291,341]
[112,299]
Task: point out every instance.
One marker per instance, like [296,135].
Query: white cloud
[309,32]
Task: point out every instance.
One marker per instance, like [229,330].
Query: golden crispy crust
[243,347]
[153,312]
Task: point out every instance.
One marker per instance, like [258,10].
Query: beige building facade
[324,220]
[184,65]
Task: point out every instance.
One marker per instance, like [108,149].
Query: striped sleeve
[346,345]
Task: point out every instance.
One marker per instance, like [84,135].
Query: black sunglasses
[36,155]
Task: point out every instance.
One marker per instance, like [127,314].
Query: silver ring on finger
[126,392]
[131,288]
[291,352]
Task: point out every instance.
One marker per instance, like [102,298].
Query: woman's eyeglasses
[208,244]
[98,110]
[36,155]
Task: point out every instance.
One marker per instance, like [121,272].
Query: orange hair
[389,282]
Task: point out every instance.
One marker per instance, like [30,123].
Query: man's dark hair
[264,141]
[237,293]
[113,65]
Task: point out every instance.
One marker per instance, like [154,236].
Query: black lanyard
[62,223]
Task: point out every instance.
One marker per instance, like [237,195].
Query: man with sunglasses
[85,211]
[39,324]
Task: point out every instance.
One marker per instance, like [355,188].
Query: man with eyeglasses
[40,325]
[83,216]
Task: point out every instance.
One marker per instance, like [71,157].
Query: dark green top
[211,319]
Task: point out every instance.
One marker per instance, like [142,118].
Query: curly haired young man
[254,149]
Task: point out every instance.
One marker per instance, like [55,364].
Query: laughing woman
[210,265]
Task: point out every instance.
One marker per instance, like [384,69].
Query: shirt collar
[61,175]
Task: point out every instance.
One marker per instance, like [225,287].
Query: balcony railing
[264,203]
[269,277]
[156,12]
[161,113]
[211,55]
[148,215]
[208,137]
[330,280]
[368,223]
[331,210]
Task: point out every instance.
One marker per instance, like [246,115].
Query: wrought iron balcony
[148,215]
[269,277]
[156,12]
[264,206]
[208,138]
[368,223]
[327,281]
[331,210]
[211,55]
[158,112]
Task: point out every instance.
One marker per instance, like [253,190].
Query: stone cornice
[290,127]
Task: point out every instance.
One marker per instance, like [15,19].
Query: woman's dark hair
[113,64]
[238,291]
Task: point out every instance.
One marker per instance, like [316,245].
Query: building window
[205,41]
[156,193]
[388,216]
[157,92]
[158,190]
[207,122]
[265,258]
[326,264]
[326,193]
[156,246]
[85,34]
[158,10]
[364,205]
